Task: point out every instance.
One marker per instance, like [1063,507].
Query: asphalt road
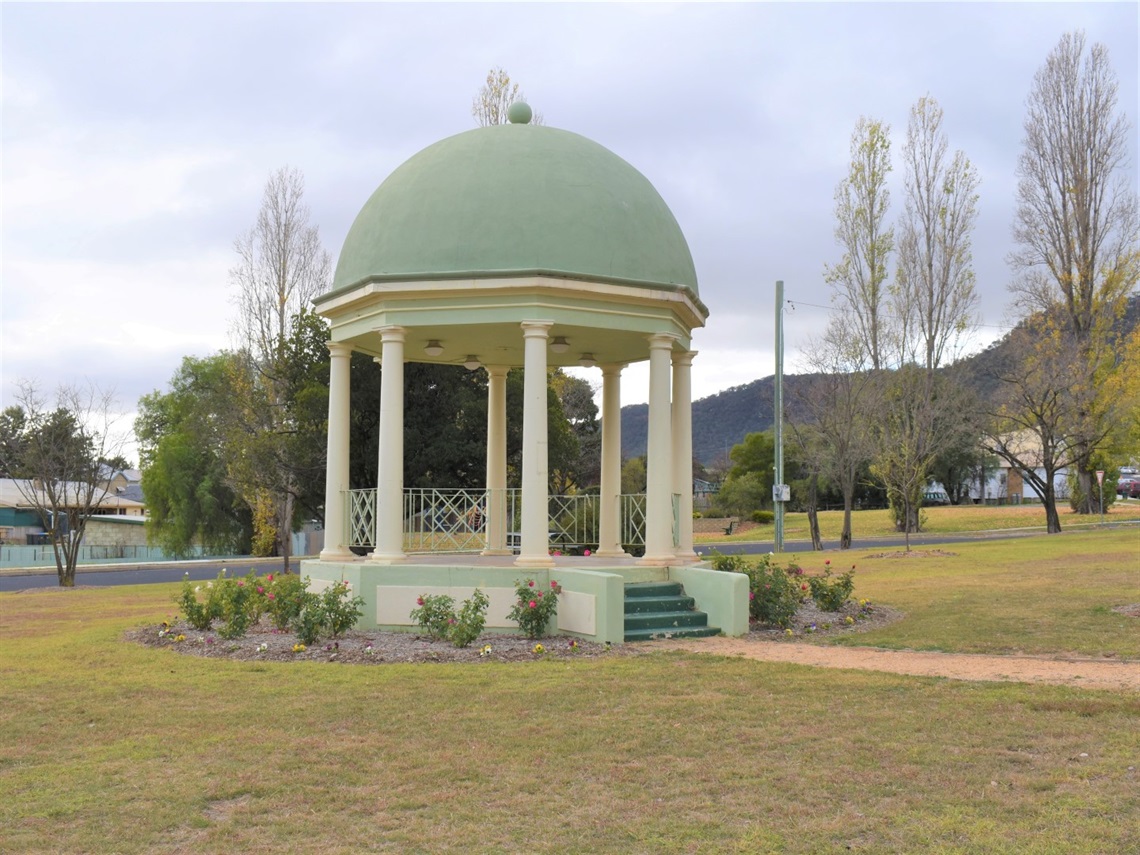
[145,574]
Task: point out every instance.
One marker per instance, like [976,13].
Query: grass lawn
[938,520]
[109,747]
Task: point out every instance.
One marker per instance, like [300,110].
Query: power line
[794,303]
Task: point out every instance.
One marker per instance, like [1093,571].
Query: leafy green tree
[183,455]
[748,486]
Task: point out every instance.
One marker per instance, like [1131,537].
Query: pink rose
[241,584]
[553,584]
[827,563]
[419,601]
[587,553]
[531,583]
[260,590]
[272,596]
[269,578]
[532,604]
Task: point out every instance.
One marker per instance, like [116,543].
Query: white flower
[261,648]
[209,584]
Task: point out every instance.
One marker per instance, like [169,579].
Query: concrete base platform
[591,605]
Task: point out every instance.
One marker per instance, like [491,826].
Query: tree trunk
[285,530]
[1052,518]
[845,535]
[813,512]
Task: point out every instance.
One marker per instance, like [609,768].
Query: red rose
[532,604]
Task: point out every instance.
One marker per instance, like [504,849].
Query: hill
[724,419]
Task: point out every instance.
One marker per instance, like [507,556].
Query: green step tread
[681,632]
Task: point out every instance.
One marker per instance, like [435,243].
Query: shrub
[340,610]
[434,613]
[332,611]
[735,563]
[763,517]
[237,601]
[284,598]
[830,594]
[198,614]
[470,621]
[773,596]
[533,608]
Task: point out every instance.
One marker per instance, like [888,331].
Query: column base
[612,553]
[656,560]
[387,557]
[337,555]
[689,557]
[534,561]
[497,552]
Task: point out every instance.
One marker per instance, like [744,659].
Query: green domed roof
[511,200]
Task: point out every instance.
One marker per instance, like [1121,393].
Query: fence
[455,520]
[42,556]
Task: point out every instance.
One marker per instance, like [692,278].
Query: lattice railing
[455,520]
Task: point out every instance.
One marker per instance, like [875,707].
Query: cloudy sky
[137,139]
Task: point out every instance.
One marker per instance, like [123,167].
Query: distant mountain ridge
[722,420]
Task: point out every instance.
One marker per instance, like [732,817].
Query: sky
[137,139]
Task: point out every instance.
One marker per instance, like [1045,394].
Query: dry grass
[111,747]
[938,520]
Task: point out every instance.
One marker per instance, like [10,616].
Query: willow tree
[1076,228]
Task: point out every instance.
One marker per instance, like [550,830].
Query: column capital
[536,329]
[392,332]
[497,370]
[662,341]
[337,348]
[613,369]
[684,357]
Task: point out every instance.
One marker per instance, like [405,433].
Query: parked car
[935,497]
[1128,486]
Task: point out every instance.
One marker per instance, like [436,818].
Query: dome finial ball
[519,113]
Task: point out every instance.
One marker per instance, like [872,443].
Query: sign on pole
[1100,477]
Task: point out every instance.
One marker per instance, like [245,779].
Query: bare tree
[839,400]
[58,465]
[282,267]
[861,203]
[934,285]
[494,99]
[1076,228]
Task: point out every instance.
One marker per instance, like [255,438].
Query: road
[145,574]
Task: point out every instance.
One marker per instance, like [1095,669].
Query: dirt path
[1086,673]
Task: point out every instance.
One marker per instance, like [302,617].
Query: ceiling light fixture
[586,360]
[472,362]
[560,344]
[433,348]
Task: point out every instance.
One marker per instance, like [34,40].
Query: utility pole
[779,491]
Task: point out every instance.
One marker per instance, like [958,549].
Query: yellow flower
[849,620]
[298,648]
[180,637]
[538,648]
[788,632]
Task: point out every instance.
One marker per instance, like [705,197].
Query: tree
[748,486]
[1049,409]
[861,203]
[494,99]
[1076,228]
[183,453]
[55,461]
[281,267]
[934,285]
[840,399]
[576,396]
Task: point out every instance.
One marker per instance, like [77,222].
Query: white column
[535,550]
[683,451]
[336,461]
[496,461]
[390,479]
[609,518]
[659,457]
